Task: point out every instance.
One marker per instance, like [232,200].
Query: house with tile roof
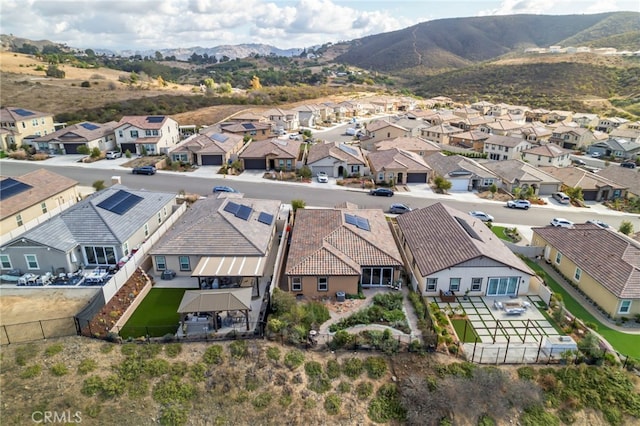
[222,242]
[518,174]
[287,120]
[501,127]
[30,199]
[594,187]
[97,231]
[378,130]
[398,166]
[21,122]
[536,133]
[607,124]
[309,115]
[209,148]
[571,137]
[620,149]
[473,139]
[505,147]
[255,130]
[548,155]
[440,133]
[602,263]
[419,146]
[341,250]
[623,176]
[629,134]
[586,119]
[447,250]
[86,134]
[465,174]
[153,134]
[271,154]
[337,159]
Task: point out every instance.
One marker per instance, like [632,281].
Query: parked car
[596,154]
[112,155]
[217,189]
[385,192]
[294,137]
[599,223]
[628,164]
[561,197]
[481,215]
[399,209]
[562,222]
[579,162]
[144,170]
[322,177]
[519,204]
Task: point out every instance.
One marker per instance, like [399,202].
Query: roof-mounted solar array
[120,202]
[357,221]
[231,207]
[10,187]
[23,112]
[89,126]
[219,137]
[348,149]
[248,126]
[244,212]
[155,119]
[265,218]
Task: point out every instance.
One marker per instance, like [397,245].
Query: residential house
[620,149]
[501,127]
[447,250]
[536,134]
[89,135]
[467,112]
[594,187]
[353,108]
[440,133]
[570,137]
[622,177]
[505,147]
[21,122]
[208,149]
[150,134]
[607,124]
[97,231]
[415,127]
[442,101]
[337,159]
[603,264]
[271,154]
[378,130]
[418,146]
[398,167]
[309,115]
[586,120]
[249,117]
[223,242]
[287,120]
[518,174]
[440,117]
[255,130]
[558,116]
[341,250]
[633,125]
[32,198]
[465,174]
[473,140]
[471,123]
[629,134]
[483,106]
[540,115]
[548,155]
[336,112]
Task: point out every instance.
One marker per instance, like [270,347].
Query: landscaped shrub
[87,365]
[364,390]
[174,415]
[386,406]
[352,368]
[273,353]
[59,369]
[526,372]
[313,368]
[91,386]
[138,388]
[213,355]
[344,387]
[112,386]
[340,339]
[53,349]
[238,349]
[376,367]
[333,369]
[31,371]
[198,372]
[293,359]
[179,369]
[173,349]
[332,404]
[157,367]
[319,384]
[171,390]
[148,351]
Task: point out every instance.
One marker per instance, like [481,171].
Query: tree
[55,72]
[493,189]
[98,185]
[158,56]
[626,227]
[297,204]
[255,83]
[209,83]
[90,53]
[442,185]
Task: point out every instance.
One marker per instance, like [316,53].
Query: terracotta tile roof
[623,176]
[347,153]
[395,159]
[322,243]
[577,177]
[548,150]
[278,148]
[143,122]
[611,259]
[407,144]
[9,114]
[45,184]
[438,241]
[81,132]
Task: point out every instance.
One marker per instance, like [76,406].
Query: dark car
[217,189]
[399,209]
[628,164]
[144,170]
[385,192]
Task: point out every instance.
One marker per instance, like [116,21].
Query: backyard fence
[38,330]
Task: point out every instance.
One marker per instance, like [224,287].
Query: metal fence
[38,330]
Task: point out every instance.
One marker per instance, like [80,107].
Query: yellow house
[20,123]
[28,200]
[601,263]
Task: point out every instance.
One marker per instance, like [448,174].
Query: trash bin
[340,296]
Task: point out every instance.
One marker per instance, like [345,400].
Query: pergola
[232,271]
[216,301]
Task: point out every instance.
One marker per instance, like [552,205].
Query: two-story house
[150,134]
[505,147]
[571,137]
[440,133]
[607,124]
[547,155]
[378,130]
[287,120]
[21,122]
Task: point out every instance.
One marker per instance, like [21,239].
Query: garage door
[255,164]
[71,148]
[129,146]
[548,189]
[212,160]
[416,178]
[327,169]
[590,195]
[459,185]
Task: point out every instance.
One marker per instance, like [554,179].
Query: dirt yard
[20,305]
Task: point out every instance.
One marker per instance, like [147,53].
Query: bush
[344,387]
[31,371]
[364,390]
[238,349]
[273,353]
[59,369]
[352,368]
[174,414]
[173,349]
[85,84]
[213,355]
[376,367]
[87,365]
[157,367]
[526,373]
[261,401]
[53,349]
[332,404]
[386,406]
[25,353]
[198,372]
[91,386]
[171,389]
[319,384]
[313,368]
[112,386]
[333,369]
[294,359]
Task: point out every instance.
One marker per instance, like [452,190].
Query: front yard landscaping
[507,234]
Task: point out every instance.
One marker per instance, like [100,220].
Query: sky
[160,24]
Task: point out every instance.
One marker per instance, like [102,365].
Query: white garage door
[459,185]
[327,169]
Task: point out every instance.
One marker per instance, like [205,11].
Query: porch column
[246,317]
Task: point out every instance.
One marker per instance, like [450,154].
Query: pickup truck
[518,204]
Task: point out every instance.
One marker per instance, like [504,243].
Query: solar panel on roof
[265,218]
[362,223]
[89,126]
[465,225]
[350,219]
[120,202]
[155,119]
[244,212]
[10,187]
[248,126]
[231,207]
[219,137]
[23,112]
[348,149]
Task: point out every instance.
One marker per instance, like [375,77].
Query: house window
[32,261]
[146,229]
[164,211]
[43,206]
[476,284]
[355,169]
[161,263]
[185,265]
[125,248]
[558,258]
[147,132]
[5,261]
[19,219]
[134,133]
[432,284]
[625,307]
[121,134]
[296,284]
[454,284]
[577,274]
[155,133]
[323,284]
[159,217]
[380,176]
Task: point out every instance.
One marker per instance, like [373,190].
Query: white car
[598,223]
[481,215]
[596,154]
[519,204]
[112,155]
[562,222]
[322,177]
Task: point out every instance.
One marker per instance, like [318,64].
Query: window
[625,307]
[44,207]
[134,133]
[32,261]
[164,211]
[185,265]
[155,133]
[432,284]
[5,261]
[476,284]
[577,274]
[147,132]
[355,169]
[121,134]
[296,284]
[454,284]
[96,255]
[323,284]
[125,248]
[159,217]
[558,258]
[146,229]
[161,263]
[19,219]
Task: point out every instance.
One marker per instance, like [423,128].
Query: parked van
[351,131]
[562,197]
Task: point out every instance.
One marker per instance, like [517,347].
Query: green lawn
[470,336]
[499,231]
[626,344]
[157,314]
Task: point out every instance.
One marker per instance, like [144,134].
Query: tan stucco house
[21,122]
